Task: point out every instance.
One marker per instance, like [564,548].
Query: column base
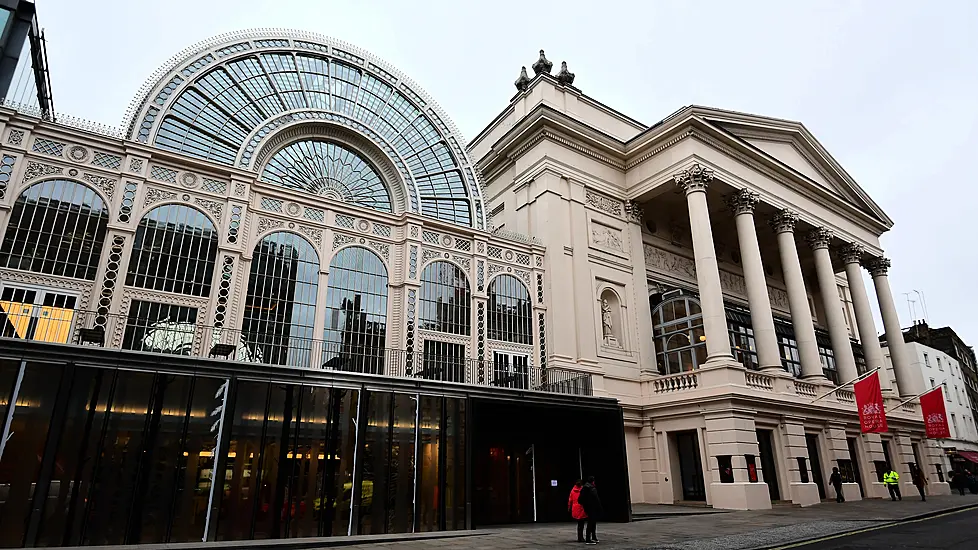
[851,491]
[940,488]
[875,489]
[805,494]
[740,496]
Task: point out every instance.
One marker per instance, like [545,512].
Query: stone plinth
[741,496]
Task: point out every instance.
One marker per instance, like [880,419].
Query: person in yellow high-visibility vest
[892,481]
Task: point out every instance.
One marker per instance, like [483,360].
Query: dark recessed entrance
[768,462]
[690,466]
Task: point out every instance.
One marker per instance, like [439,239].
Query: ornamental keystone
[696,178]
[743,201]
[784,221]
[820,237]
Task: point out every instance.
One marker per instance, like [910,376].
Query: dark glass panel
[274,465]
[400,495]
[510,311]
[356,312]
[428,465]
[373,464]
[246,430]
[22,456]
[313,464]
[454,463]
[345,406]
[174,251]
[446,301]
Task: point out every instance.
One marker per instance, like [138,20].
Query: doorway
[856,472]
[768,461]
[812,442]
[690,466]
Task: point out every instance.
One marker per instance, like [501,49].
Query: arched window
[446,301]
[280,308]
[510,311]
[56,227]
[680,343]
[356,312]
[329,170]
[174,251]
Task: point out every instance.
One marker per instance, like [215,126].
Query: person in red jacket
[576,510]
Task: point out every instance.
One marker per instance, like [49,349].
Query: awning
[970,455]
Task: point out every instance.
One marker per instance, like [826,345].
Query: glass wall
[105,455]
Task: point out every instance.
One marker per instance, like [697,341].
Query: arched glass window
[510,311]
[356,312]
[280,308]
[680,343]
[446,300]
[174,251]
[56,227]
[329,170]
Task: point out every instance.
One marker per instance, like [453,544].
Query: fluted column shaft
[742,203]
[801,313]
[851,256]
[905,377]
[695,182]
[845,362]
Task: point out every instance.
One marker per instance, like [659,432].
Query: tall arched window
[356,312]
[56,227]
[680,343]
[510,311]
[174,251]
[446,300]
[280,309]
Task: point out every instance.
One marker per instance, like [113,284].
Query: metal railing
[277,345]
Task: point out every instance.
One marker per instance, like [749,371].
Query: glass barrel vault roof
[220,99]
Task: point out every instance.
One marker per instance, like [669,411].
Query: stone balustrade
[760,381]
[806,389]
[683,381]
[846,396]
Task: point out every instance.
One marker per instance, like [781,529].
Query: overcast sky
[889,87]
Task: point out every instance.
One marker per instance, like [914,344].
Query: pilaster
[803,493]
[731,435]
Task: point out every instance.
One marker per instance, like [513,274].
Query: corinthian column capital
[634,212]
[696,178]
[851,253]
[743,201]
[820,237]
[878,267]
[784,221]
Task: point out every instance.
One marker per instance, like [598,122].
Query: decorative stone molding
[267,224]
[820,237]
[154,195]
[481,275]
[428,254]
[315,235]
[15,137]
[606,237]
[413,263]
[37,169]
[340,239]
[602,203]
[77,153]
[136,166]
[215,208]
[878,267]
[634,212]
[239,189]
[696,178]
[524,275]
[188,179]
[382,248]
[743,201]
[784,221]
[107,185]
[495,268]
[852,253]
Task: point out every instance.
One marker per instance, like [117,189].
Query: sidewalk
[700,529]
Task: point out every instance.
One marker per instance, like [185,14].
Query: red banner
[869,401]
[935,415]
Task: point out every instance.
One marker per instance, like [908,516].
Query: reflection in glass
[356,312]
[56,227]
[677,325]
[160,328]
[454,463]
[280,310]
[246,428]
[446,301]
[510,311]
[429,462]
[400,495]
[174,251]
[373,463]
[329,170]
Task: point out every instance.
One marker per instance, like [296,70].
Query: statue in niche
[607,326]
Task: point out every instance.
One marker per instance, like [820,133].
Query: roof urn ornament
[523,82]
[565,77]
[543,65]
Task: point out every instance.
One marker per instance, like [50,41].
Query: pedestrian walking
[919,480]
[892,481]
[959,481]
[576,510]
[836,481]
[592,507]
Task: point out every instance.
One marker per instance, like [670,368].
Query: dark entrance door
[813,456]
[690,466]
[854,457]
[768,462]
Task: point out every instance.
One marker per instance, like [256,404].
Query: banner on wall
[935,415]
[869,401]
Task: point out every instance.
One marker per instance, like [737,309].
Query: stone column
[742,203]
[819,240]
[695,182]
[642,313]
[908,382]
[801,313]
[851,255]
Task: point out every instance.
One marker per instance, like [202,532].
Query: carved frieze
[315,235]
[607,237]
[266,224]
[107,185]
[37,169]
[602,203]
[154,195]
[382,248]
[214,207]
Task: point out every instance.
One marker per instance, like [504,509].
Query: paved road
[952,531]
